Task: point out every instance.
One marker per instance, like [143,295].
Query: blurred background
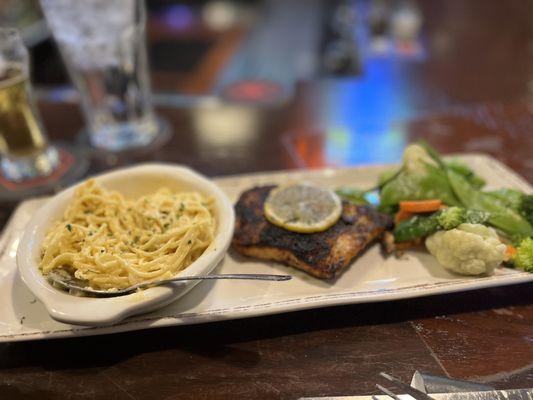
[272,84]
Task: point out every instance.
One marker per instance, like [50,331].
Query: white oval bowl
[132,182]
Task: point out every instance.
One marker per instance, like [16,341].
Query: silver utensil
[415,393]
[453,394]
[78,286]
[386,391]
[512,394]
[428,383]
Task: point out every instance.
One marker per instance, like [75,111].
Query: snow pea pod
[501,216]
[433,184]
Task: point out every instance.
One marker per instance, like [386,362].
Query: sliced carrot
[402,216]
[420,206]
[510,251]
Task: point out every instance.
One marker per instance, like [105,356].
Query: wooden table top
[473,93]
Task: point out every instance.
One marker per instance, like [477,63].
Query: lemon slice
[303,208]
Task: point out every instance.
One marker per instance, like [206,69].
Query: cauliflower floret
[469,249]
[415,158]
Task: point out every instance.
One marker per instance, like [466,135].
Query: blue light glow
[380,94]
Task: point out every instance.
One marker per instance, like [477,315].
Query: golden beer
[20,131]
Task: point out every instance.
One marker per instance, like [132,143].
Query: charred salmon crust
[323,254]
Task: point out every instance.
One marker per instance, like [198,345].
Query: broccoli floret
[523,259]
[526,207]
[451,217]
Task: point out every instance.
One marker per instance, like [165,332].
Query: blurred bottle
[23,144]
[406,23]
[378,18]
[379,25]
[340,56]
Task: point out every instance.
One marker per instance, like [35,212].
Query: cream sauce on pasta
[113,242]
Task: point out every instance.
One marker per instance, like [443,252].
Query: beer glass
[103,45]
[24,148]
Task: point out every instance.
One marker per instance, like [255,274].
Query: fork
[415,393]
[69,282]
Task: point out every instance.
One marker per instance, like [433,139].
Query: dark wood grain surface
[473,93]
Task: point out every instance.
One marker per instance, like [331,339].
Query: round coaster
[72,165]
[162,137]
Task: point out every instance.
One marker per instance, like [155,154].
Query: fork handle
[256,277]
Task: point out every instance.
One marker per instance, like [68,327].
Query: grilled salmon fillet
[324,254]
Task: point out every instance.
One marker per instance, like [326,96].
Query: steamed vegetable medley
[442,204]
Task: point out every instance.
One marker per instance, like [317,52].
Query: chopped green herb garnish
[69,227]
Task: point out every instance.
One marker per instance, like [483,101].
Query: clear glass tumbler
[103,44]
[25,152]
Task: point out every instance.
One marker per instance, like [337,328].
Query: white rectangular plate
[370,278]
